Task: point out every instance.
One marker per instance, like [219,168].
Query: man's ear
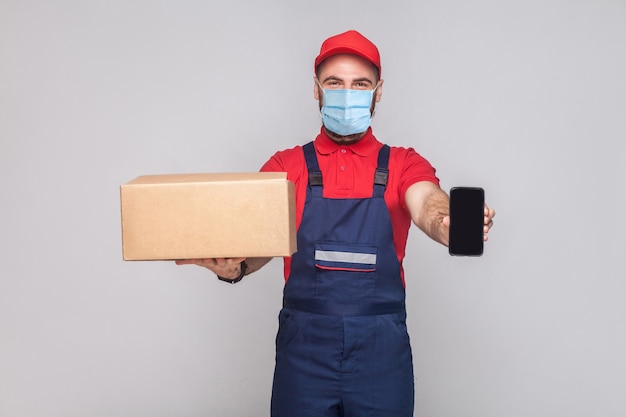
[379,90]
[316,89]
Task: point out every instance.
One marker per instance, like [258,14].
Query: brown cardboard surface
[213,215]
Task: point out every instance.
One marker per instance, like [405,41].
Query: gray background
[525,98]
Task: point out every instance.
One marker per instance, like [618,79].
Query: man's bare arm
[429,206]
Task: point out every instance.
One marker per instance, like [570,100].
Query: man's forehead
[339,64]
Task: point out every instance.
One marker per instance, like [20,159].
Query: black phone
[467,212]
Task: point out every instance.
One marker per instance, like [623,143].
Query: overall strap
[315,174]
[382,172]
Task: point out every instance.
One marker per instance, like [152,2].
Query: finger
[221,262]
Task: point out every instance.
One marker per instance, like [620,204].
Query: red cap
[350,42]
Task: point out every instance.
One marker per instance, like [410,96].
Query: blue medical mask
[347,112]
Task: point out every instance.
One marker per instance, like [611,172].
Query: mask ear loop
[372,105]
[322,93]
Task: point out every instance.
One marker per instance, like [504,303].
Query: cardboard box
[188,216]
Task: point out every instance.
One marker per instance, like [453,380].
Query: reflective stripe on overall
[342,347]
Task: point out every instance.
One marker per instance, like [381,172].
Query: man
[342,347]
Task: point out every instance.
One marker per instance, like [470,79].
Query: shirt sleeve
[274,164]
[415,168]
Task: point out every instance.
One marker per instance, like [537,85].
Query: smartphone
[467,212]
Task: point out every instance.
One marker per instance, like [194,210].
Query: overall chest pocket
[345,257]
[345,273]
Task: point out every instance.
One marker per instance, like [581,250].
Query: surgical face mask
[347,112]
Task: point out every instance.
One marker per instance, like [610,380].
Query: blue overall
[342,347]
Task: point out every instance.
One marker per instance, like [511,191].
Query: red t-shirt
[348,172]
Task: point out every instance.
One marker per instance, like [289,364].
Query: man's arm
[429,206]
[227,267]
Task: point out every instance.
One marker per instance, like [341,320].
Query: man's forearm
[431,221]
[429,206]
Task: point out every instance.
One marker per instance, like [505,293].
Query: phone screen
[466,221]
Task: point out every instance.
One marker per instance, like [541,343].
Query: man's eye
[332,85]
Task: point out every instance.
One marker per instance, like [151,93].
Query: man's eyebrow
[356,80]
[332,78]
